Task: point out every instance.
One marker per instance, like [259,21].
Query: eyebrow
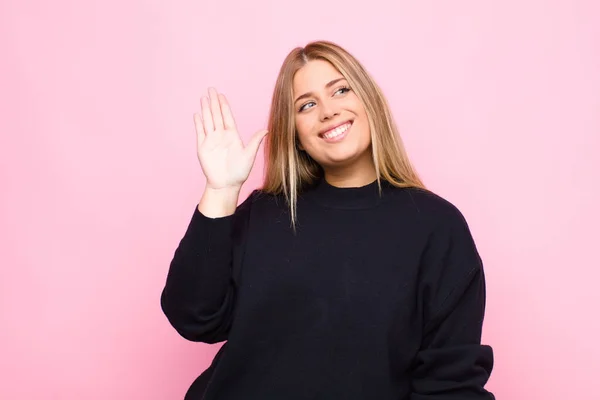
[309,94]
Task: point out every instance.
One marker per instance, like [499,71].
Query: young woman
[342,277]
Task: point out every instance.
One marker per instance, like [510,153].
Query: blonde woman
[342,277]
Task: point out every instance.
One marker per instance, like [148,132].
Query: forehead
[314,76]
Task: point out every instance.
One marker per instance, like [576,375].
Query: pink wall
[499,106]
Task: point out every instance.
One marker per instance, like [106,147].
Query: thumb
[255,142]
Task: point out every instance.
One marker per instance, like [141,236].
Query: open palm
[225,160]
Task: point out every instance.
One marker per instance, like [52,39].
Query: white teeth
[337,131]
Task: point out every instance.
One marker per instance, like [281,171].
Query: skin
[320,106]
[225,160]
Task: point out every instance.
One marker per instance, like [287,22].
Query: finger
[254,143]
[228,120]
[200,134]
[209,126]
[215,109]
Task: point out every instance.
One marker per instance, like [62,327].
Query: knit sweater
[375,296]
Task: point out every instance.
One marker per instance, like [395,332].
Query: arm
[198,296]
[199,293]
[452,364]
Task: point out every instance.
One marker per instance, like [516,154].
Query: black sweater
[374,298]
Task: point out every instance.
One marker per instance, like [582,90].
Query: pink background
[499,106]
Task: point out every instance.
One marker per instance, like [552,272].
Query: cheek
[364,119]
[303,127]
[364,132]
[359,108]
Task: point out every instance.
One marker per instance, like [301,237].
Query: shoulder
[261,201]
[449,232]
[257,203]
[428,206]
[261,196]
[449,242]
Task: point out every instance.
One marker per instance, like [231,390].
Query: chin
[341,159]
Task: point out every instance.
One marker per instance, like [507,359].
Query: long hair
[287,169]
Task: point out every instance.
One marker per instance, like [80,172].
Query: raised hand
[225,160]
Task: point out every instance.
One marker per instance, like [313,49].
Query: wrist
[219,202]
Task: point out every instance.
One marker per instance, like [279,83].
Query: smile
[338,133]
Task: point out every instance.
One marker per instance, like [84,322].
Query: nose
[327,111]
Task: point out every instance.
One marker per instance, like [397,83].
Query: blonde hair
[287,169]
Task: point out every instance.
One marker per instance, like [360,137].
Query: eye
[303,107]
[342,90]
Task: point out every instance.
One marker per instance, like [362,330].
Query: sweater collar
[330,196]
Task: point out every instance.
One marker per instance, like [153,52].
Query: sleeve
[199,293]
[451,363]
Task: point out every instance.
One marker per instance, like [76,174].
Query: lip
[338,138]
[321,133]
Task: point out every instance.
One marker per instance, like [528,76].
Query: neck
[346,197]
[356,175]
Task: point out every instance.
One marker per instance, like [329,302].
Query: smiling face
[331,121]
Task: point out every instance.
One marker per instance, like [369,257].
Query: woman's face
[331,121]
